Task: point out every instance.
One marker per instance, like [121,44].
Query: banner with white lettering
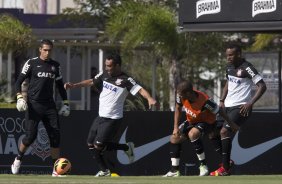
[255,150]
[228,10]
[232,13]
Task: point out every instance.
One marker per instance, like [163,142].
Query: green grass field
[76,179]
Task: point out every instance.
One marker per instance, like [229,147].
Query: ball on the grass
[62,166]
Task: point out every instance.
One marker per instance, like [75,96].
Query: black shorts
[234,115]
[41,111]
[103,130]
[203,127]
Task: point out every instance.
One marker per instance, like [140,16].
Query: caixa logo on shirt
[191,113]
[109,86]
[204,7]
[263,6]
[46,74]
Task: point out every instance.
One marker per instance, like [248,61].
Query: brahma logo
[263,6]
[204,7]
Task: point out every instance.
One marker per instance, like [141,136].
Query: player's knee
[175,139]
[90,146]
[224,132]
[194,134]
[99,146]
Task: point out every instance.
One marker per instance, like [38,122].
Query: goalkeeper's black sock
[20,155]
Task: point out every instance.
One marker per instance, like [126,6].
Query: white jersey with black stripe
[240,83]
[114,91]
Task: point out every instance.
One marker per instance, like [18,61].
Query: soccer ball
[62,166]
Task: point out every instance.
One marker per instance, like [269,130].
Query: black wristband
[221,100]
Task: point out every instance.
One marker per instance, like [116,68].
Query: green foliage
[88,13]
[76,18]
[204,52]
[263,41]
[5,96]
[137,23]
[14,35]
[135,103]
[147,32]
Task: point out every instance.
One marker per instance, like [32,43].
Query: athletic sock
[175,150]
[198,145]
[226,151]
[98,156]
[20,155]
[216,142]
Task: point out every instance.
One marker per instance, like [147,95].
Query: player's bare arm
[84,83]
[224,94]
[176,136]
[146,95]
[177,114]
[245,109]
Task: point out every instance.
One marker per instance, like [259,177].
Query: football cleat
[204,171]
[231,164]
[220,172]
[130,152]
[55,174]
[105,173]
[172,174]
[15,167]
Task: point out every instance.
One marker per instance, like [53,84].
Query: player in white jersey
[237,100]
[115,85]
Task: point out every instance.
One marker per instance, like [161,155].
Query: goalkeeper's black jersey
[42,76]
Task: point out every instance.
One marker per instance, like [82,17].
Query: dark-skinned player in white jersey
[42,73]
[116,85]
[237,100]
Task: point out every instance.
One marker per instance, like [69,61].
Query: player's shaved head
[184,86]
[236,47]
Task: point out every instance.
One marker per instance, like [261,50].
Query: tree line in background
[150,37]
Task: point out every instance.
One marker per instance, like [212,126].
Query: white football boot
[15,167]
[172,174]
[103,173]
[204,171]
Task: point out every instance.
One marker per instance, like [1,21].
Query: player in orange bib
[201,114]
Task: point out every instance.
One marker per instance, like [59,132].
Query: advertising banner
[234,15]
[256,147]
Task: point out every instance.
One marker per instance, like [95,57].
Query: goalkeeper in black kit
[42,73]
